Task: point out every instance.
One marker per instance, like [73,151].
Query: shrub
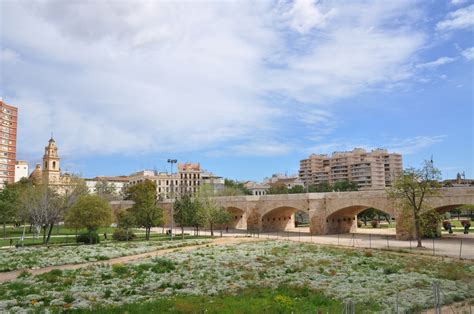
[465,222]
[162,265]
[121,235]
[87,238]
[375,223]
[430,224]
[119,268]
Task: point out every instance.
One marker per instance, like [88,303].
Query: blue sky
[246,89]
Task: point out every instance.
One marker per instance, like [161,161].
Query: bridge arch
[344,220]
[279,219]
[239,218]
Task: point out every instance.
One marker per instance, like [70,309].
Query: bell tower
[51,171]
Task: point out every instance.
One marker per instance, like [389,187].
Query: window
[54,165]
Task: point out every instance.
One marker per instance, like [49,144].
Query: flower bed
[38,257]
[364,277]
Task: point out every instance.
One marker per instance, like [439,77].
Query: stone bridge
[329,213]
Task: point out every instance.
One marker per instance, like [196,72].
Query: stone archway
[279,219]
[239,218]
[344,220]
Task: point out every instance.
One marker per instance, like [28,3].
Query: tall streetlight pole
[171,162]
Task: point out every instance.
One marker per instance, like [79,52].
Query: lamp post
[171,162]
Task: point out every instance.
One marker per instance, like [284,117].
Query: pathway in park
[7,276]
[455,246]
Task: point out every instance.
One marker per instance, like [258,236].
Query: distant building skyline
[372,170]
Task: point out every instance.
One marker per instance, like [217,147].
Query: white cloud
[148,76]
[434,64]
[459,19]
[304,15]
[468,53]
[408,146]
[458,2]
[9,56]
[404,146]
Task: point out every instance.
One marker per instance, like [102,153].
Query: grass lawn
[250,300]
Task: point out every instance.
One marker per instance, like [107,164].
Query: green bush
[162,265]
[88,238]
[121,235]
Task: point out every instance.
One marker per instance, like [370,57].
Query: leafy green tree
[319,188]
[344,186]
[146,211]
[279,188]
[237,186]
[8,205]
[91,212]
[230,191]
[411,189]
[125,220]
[296,189]
[184,208]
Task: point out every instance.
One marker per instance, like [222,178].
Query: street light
[171,162]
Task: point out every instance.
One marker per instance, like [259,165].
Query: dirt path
[7,276]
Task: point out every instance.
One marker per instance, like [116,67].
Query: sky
[246,88]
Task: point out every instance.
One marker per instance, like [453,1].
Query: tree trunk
[364,218]
[212,230]
[49,233]
[182,232]
[44,234]
[4,229]
[418,231]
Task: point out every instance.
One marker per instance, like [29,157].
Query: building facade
[116,184]
[21,170]
[167,185]
[257,188]
[370,170]
[217,183]
[8,131]
[189,178]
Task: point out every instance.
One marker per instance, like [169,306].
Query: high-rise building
[370,170]
[21,170]
[9,118]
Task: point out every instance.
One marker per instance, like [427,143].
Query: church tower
[51,171]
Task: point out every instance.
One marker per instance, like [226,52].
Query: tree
[279,188]
[106,190]
[321,187]
[296,189]
[145,209]
[91,212]
[125,220]
[237,185]
[344,186]
[183,211]
[411,189]
[8,205]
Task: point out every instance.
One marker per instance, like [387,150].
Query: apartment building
[167,185]
[8,131]
[189,177]
[370,170]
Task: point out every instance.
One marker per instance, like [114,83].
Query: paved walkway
[7,276]
[456,246]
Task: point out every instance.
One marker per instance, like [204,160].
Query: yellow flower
[34,301]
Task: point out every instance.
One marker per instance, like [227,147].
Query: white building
[21,170]
[117,183]
[257,188]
